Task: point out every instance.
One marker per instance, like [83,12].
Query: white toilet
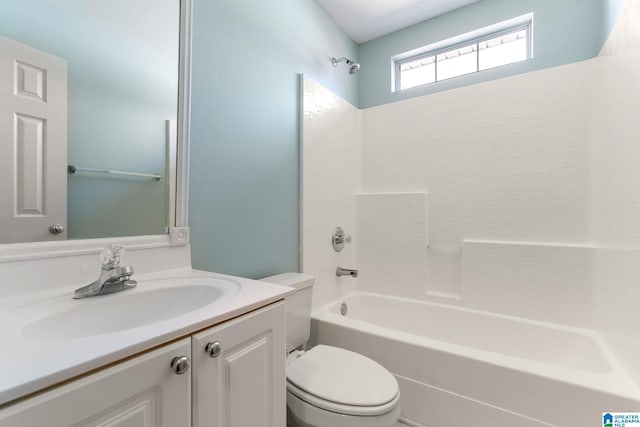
[329,386]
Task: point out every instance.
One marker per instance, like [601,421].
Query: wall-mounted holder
[339,239]
[75,169]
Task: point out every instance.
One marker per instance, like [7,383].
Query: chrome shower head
[354,67]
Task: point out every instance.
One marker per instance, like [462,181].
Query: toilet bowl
[330,386]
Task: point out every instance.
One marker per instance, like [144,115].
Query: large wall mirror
[89,94]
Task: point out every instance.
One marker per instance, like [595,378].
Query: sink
[150,302]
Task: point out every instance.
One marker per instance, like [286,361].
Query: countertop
[30,364]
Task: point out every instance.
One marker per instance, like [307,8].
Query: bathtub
[460,367]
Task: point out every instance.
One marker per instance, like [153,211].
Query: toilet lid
[342,376]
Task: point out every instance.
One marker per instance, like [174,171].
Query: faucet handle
[112,256]
[339,238]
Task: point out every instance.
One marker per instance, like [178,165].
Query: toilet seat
[341,381]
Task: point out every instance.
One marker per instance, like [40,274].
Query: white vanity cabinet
[140,392]
[239,372]
[240,384]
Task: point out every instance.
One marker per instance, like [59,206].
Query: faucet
[113,276]
[346,272]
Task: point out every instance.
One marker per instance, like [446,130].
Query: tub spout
[346,272]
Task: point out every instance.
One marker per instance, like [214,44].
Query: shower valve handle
[339,239]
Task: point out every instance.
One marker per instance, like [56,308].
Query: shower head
[354,67]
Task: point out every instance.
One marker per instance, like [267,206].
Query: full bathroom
[319,213]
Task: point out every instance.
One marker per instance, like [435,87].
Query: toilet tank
[298,306]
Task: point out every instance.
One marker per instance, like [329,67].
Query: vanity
[185,347]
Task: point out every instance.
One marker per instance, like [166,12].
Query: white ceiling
[365,20]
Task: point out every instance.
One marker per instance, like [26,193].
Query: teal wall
[565,31]
[247,55]
[119,96]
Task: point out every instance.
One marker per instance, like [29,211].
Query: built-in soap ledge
[528,243]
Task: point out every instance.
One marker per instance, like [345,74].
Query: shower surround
[516,197]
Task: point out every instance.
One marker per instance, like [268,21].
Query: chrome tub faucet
[113,276]
[346,272]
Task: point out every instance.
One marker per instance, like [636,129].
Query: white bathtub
[459,367]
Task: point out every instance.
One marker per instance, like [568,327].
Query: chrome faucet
[346,272]
[113,276]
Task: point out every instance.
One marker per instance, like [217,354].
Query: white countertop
[31,364]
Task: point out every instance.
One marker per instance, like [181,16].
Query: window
[480,50]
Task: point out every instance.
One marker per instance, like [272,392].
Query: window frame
[524,22]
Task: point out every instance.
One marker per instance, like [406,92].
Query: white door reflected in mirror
[33,154]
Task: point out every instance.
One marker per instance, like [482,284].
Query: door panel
[244,385]
[141,392]
[29,166]
[33,143]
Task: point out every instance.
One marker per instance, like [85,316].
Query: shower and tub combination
[497,278]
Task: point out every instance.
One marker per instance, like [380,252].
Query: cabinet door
[243,385]
[141,392]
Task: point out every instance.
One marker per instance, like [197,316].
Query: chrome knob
[56,229]
[180,364]
[213,349]
[339,238]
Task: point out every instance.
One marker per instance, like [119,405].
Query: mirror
[88,118]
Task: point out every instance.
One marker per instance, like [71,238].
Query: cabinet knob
[180,364]
[213,349]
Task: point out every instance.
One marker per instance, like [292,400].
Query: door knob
[56,229]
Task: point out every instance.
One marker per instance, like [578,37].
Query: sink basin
[151,302]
